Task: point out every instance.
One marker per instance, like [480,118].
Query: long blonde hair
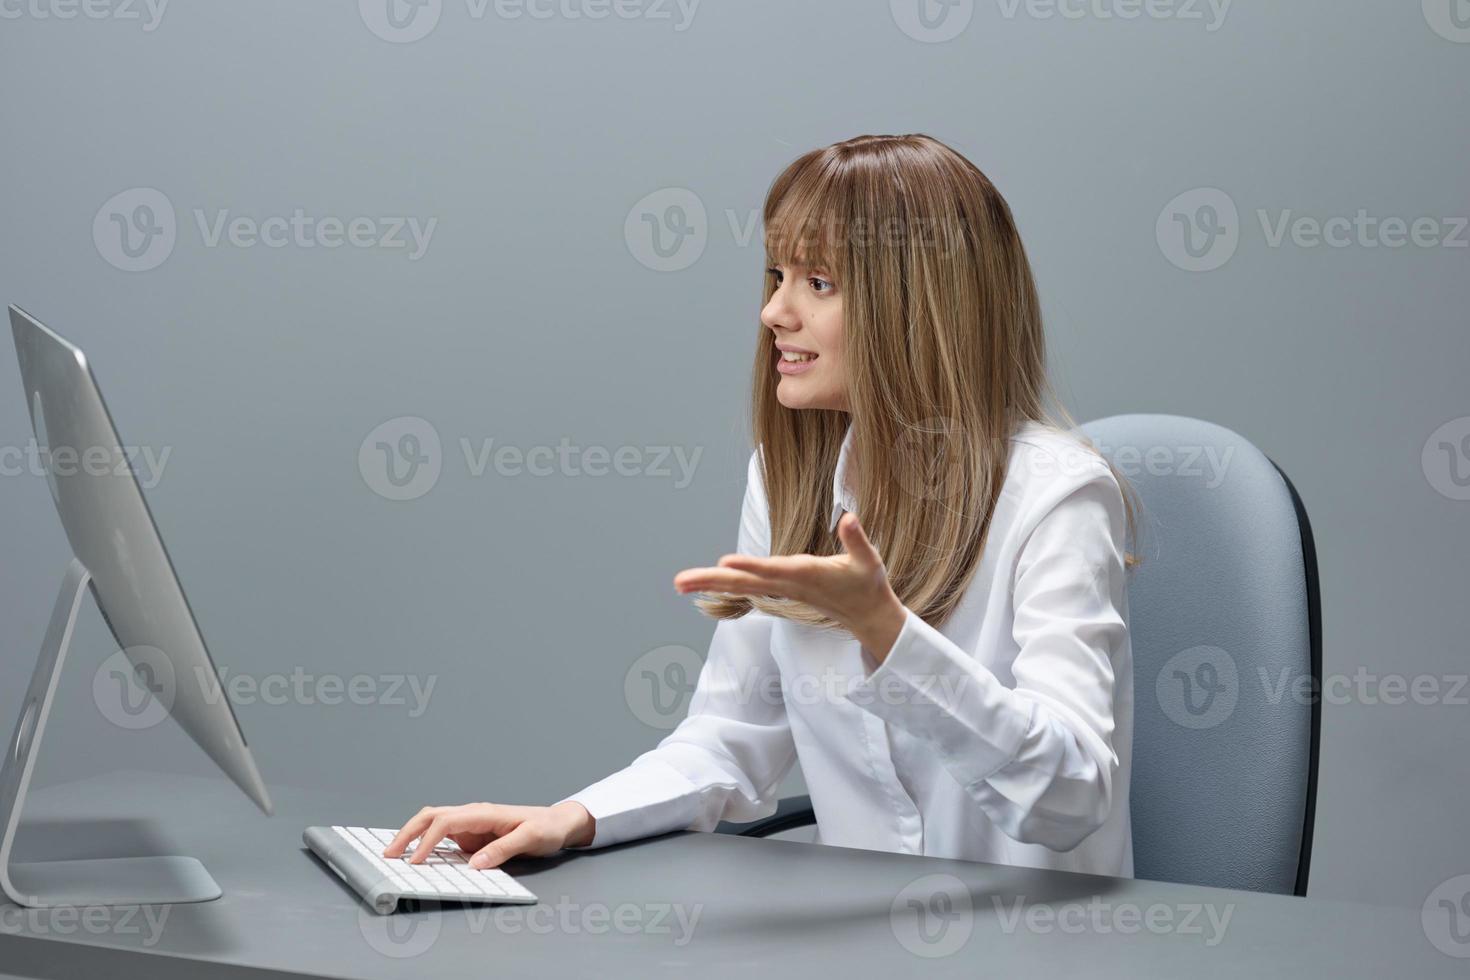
[944,355]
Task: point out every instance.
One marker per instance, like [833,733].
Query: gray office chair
[1225,619]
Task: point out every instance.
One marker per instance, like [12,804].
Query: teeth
[794,357]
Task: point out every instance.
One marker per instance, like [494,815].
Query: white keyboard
[356,855]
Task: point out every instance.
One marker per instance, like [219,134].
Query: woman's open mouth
[795,362]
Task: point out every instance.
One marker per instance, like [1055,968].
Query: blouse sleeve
[1037,758]
[726,759]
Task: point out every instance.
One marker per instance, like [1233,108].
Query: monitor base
[96,881]
[113,881]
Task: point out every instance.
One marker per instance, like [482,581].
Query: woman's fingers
[855,540]
[726,580]
[779,569]
[495,853]
[471,841]
[416,825]
[441,826]
[460,824]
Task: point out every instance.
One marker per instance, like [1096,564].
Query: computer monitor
[118,552]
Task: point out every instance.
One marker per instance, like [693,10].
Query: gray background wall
[534,315]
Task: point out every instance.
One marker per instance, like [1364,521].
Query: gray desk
[691,905]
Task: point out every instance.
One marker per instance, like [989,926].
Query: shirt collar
[842,500]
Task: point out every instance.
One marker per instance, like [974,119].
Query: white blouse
[1004,735]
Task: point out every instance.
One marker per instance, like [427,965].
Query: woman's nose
[776,315]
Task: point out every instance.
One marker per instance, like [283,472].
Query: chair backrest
[1224,617]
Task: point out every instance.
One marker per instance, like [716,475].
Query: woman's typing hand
[492,833]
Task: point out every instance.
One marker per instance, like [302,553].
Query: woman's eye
[776,273]
[818,283]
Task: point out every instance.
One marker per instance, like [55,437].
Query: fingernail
[479,861]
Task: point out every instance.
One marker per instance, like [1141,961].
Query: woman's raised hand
[851,588]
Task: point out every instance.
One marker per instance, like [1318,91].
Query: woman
[953,672]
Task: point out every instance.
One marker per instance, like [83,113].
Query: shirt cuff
[934,690]
[642,800]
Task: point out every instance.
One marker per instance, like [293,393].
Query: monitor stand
[98,881]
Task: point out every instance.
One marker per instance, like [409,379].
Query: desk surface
[700,905]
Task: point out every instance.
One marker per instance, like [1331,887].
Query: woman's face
[805,319]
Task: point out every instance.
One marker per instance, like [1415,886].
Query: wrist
[580,827]
[881,626]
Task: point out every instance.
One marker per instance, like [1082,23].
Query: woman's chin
[791,393]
